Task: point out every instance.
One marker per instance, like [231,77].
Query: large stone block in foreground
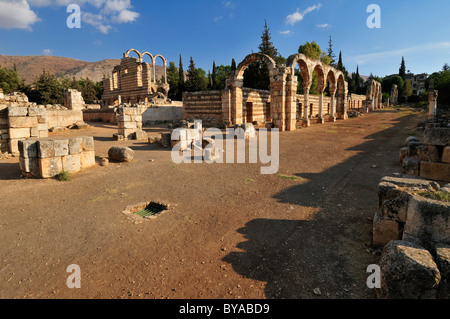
[48,157]
[408,271]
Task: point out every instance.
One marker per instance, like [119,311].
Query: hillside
[30,67]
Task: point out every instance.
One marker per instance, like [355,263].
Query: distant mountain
[30,67]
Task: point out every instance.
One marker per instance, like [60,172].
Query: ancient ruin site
[278,176]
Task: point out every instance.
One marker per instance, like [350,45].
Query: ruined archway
[235,84]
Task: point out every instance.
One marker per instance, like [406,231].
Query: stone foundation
[48,157]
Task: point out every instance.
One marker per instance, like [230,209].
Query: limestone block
[411,182]
[61,147]
[428,153]
[42,120]
[411,166]
[427,222]
[28,148]
[412,148]
[408,271]
[117,137]
[88,143]
[19,133]
[71,163]
[21,121]
[437,136]
[45,149]
[385,231]
[50,167]
[121,154]
[435,171]
[166,140]
[129,125]
[37,112]
[17,111]
[393,203]
[141,136]
[87,159]
[14,146]
[75,145]
[34,132]
[446,155]
[29,167]
[443,263]
[43,134]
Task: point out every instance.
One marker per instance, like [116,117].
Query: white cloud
[47,52]
[323,25]
[299,16]
[217,18]
[16,14]
[102,14]
[287,32]
[229,4]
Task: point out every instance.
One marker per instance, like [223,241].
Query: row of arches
[283,90]
[153,59]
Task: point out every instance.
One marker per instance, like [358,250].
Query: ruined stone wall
[162,113]
[63,118]
[205,106]
[256,105]
[103,115]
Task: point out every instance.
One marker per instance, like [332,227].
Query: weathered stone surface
[141,136]
[118,137]
[427,222]
[166,140]
[45,148]
[408,271]
[446,155]
[50,167]
[75,145]
[428,153]
[435,171]
[19,133]
[443,263]
[121,154]
[411,182]
[71,163]
[87,159]
[411,139]
[154,139]
[28,148]
[393,203]
[411,166]
[437,136]
[29,167]
[385,231]
[23,122]
[412,148]
[17,111]
[61,147]
[88,143]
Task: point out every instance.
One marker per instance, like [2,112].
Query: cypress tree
[340,64]
[213,76]
[233,65]
[330,52]
[181,84]
[402,70]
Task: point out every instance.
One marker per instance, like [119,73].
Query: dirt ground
[230,232]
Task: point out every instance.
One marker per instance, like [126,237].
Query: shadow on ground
[332,250]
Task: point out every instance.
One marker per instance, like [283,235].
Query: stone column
[236,102]
[291,105]
[333,105]
[432,103]
[321,120]
[306,120]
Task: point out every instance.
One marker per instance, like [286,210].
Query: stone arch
[341,110]
[127,54]
[165,67]
[306,67]
[150,55]
[235,83]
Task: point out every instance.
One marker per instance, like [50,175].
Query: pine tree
[196,78]
[357,79]
[340,65]
[266,47]
[213,76]
[402,70]
[330,52]
[181,83]
[233,65]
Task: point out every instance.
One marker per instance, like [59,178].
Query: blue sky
[221,30]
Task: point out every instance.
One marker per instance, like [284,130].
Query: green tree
[446,67]
[442,84]
[389,81]
[407,90]
[47,90]
[181,82]
[257,74]
[10,80]
[233,65]
[196,78]
[340,65]
[213,76]
[402,70]
[330,52]
[173,80]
